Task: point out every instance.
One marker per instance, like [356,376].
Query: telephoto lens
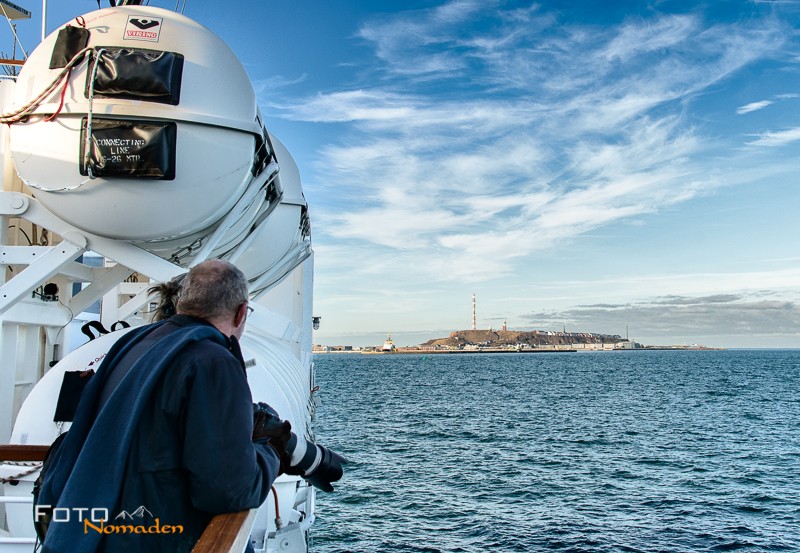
[317,464]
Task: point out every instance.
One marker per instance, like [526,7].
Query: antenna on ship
[474,325]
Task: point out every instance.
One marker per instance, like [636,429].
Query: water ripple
[635,452]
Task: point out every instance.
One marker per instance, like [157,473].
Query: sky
[624,168]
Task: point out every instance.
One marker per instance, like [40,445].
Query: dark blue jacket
[191,455]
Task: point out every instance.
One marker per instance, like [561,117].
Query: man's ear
[241,315]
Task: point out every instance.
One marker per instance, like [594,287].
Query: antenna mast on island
[474,325]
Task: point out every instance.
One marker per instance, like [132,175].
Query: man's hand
[269,428]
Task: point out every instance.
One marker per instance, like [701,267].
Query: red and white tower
[474,325]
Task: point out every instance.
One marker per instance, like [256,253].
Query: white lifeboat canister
[159,125]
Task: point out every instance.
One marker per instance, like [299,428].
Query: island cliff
[512,338]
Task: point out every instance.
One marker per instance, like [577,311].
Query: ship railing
[19,453]
[226,533]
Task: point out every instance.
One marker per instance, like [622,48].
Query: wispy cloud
[635,39]
[508,130]
[753,106]
[761,104]
[422,42]
[353,106]
[276,82]
[778,138]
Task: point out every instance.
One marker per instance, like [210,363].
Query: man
[164,430]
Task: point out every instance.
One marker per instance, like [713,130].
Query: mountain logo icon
[141,512]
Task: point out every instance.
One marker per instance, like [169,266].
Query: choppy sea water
[650,451]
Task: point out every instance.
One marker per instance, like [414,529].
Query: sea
[628,451]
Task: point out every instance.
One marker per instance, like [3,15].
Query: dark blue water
[597,452]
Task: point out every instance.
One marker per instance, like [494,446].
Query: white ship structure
[132,149]
[388,344]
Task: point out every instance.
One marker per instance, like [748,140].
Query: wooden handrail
[227,533]
[16,452]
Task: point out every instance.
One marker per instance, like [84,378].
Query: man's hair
[212,289]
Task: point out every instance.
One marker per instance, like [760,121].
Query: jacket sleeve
[227,471]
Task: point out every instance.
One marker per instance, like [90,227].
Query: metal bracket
[43,268]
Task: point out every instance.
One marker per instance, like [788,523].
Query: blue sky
[586,165]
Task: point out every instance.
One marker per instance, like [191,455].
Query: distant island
[511,341]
